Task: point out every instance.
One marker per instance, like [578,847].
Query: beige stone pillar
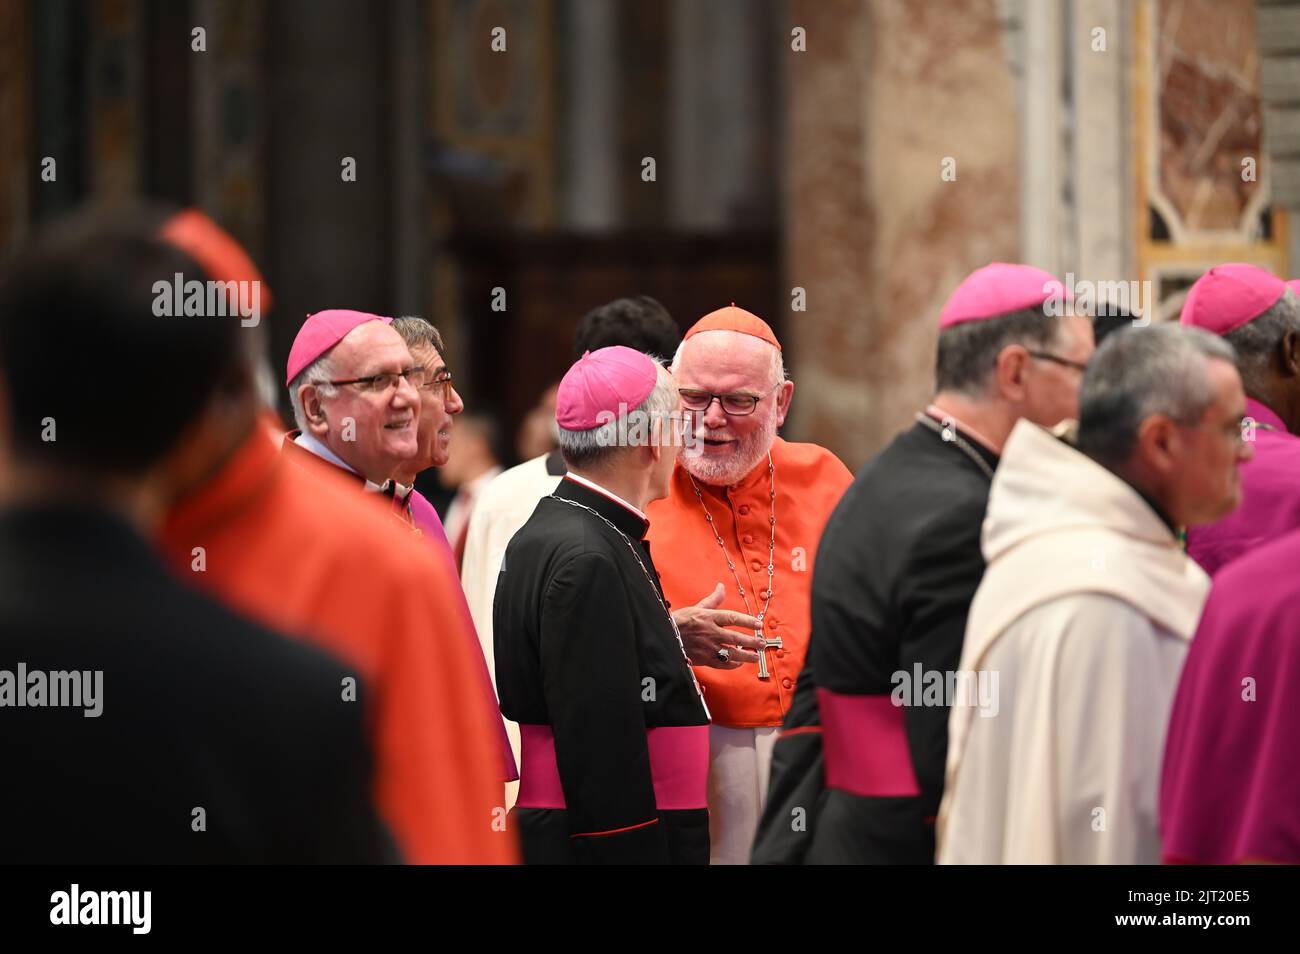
[885,93]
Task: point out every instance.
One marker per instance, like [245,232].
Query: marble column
[887,93]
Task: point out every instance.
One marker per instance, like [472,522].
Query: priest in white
[1087,606]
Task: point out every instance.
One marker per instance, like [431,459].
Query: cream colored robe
[1084,613]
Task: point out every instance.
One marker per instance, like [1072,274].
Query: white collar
[310,442]
[591,484]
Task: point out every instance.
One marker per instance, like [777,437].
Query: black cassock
[614,732]
[856,778]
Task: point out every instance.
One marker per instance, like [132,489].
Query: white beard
[748,452]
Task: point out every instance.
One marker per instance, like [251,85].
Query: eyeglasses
[439,381]
[379,383]
[737,405]
[1047,356]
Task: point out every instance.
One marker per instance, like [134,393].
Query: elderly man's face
[731,445]
[1207,484]
[438,404]
[384,432]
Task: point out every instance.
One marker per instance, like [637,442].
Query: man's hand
[703,635]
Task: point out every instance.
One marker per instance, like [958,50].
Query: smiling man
[354,389]
[741,526]
[439,403]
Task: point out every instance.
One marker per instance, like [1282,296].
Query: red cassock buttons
[786,682]
[744,509]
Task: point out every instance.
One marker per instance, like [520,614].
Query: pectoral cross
[762,653]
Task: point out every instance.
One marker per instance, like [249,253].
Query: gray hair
[599,446]
[320,372]
[968,352]
[416,332]
[1139,372]
[1257,339]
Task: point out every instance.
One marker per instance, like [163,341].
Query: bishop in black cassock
[613,728]
[857,773]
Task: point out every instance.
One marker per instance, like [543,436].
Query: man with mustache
[741,528]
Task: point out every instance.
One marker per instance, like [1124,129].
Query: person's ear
[313,409]
[1010,370]
[784,395]
[1289,354]
[1160,444]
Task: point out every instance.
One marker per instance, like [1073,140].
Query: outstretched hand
[703,634]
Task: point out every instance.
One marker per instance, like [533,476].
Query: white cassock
[501,508]
[1083,616]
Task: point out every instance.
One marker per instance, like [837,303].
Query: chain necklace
[771,562]
[950,435]
[653,589]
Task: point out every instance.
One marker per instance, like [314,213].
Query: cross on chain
[762,653]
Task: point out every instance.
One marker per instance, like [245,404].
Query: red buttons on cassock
[786,682]
[744,509]
[780,654]
[757,565]
[764,595]
[748,538]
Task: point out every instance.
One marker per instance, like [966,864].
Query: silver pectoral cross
[762,653]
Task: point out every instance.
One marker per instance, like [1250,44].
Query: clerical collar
[309,442]
[626,518]
[592,485]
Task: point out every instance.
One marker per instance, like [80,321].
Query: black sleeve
[796,790]
[591,679]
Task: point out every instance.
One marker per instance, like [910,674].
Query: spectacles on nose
[1057,359]
[737,405]
[379,383]
[438,383]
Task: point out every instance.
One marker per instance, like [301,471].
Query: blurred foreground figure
[588,659]
[1080,626]
[1253,311]
[305,551]
[898,567]
[740,532]
[151,725]
[1232,758]
[506,503]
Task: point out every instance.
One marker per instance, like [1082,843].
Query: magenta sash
[679,766]
[864,742]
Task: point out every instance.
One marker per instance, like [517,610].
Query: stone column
[885,95]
